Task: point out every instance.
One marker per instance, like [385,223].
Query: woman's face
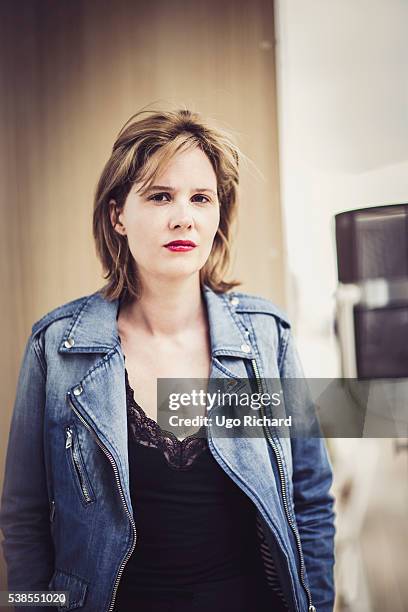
[181,205]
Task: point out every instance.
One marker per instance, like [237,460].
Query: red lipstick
[180,245]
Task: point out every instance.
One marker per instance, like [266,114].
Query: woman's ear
[114,213]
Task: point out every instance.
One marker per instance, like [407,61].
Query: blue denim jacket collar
[93,328]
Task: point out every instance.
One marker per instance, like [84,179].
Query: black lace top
[179,454]
[196,534]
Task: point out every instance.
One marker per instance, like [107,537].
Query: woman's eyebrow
[166,187]
[206,189]
[172,189]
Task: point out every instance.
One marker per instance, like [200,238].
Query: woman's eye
[199,195]
[157,197]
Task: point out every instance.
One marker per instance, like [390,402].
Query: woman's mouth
[180,245]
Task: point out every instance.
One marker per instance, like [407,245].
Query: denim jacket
[66,512]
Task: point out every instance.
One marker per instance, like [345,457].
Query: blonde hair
[167,133]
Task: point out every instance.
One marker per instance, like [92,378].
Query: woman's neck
[167,309]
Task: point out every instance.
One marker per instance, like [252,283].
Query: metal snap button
[234,301]
[78,390]
[246,348]
[69,342]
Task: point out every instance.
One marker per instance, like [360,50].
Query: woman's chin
[172,273]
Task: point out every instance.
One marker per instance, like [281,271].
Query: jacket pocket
[76,588]
[77,465]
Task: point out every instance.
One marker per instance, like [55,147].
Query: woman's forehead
[163,169]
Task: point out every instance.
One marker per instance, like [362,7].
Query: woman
[101,502]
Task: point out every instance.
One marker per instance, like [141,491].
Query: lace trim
[179,454]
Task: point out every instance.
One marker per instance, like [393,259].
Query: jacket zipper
[284,495]
[76,462]
[116,473]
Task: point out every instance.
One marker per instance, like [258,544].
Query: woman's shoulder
[84,324]
[256,304]
[64,311]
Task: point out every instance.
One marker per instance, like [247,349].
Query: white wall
[342,68]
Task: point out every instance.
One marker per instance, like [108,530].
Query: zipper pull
[312,609]
[52,512]
[68,442]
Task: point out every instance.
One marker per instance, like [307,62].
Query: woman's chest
[148,366]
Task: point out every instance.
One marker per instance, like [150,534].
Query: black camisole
[196,546]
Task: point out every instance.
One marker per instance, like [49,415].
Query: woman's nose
[181,217]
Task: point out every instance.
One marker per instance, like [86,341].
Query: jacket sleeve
[24,513]
[312,480]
